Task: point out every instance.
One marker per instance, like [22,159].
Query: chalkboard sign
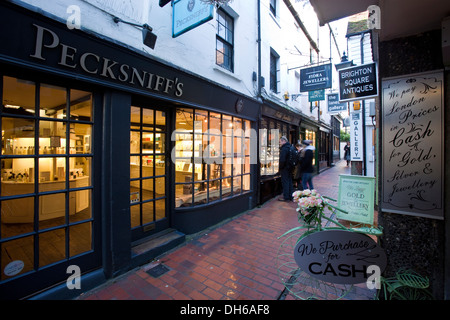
[412,167]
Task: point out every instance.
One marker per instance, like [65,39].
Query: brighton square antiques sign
[358,82]
[339,256]
[412,166]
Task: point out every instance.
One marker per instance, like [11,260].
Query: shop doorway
[148,172]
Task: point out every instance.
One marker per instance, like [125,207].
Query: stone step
[155,245]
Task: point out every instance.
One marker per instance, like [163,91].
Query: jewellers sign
[315,78]
[358,82]
[339,256]
[357,196]
[413,145]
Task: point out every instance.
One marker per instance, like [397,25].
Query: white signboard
[356,136]
[412,142]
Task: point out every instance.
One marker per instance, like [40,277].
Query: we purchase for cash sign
[413,145]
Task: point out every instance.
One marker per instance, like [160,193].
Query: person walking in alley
[285,170]
[297,174]
[307,165]
[347,153]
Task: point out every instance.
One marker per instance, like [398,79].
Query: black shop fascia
[42,44]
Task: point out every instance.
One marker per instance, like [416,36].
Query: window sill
[275,19]
[212,203]
[226,72]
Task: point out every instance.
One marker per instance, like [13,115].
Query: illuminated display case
[212,157]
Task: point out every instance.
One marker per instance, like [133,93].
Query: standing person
[307,165]
[285,170]
[297,175]
[347,153]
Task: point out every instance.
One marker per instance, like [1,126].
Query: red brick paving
[235,261]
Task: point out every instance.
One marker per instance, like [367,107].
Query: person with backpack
[307,165]
[286,169]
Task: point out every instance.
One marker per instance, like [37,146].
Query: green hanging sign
[356,196]
[188,14]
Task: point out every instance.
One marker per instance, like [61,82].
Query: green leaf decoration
[412,279]
[368,230]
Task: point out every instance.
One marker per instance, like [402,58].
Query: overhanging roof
[399,18]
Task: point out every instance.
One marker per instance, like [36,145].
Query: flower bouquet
[310,205]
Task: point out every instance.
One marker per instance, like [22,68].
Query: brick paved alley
[236,260]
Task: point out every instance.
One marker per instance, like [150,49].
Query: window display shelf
[50,207]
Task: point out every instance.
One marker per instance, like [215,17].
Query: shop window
[311,135]
[211,155]
[270,133]
[46,174]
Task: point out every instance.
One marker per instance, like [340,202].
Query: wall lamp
[148,37]
[294,97]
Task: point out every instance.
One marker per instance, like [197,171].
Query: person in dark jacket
[285,170]
[347,152]
[307,165]
[297,174]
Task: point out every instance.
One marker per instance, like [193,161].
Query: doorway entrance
[148,172]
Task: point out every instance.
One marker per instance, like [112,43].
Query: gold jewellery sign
[412,131]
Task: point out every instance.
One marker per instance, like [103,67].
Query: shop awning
[275,110]
[399,18]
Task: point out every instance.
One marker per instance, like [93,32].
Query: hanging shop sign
[356,136]
[356,83]
[334,105]
[188,14]
[315,78]
[357,196]
[339,256]
[413,131]
[316,95]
